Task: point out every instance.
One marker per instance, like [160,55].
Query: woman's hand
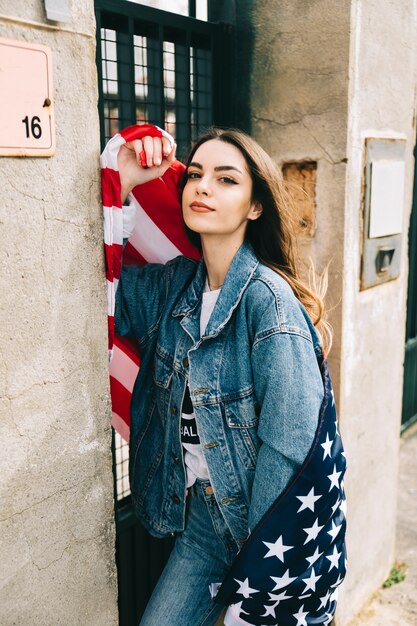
[157,154]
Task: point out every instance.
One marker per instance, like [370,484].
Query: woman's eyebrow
[219,168]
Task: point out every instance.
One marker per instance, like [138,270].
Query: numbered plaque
[27,126]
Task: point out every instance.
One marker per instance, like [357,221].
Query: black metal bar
[203,91]
[160,70]
[224,79]
[155,104]
[125,76]
[100,78]
[221,11]
[409,411]
[412,288]
[182,98]
[411,328]
[192,8]
[126,582]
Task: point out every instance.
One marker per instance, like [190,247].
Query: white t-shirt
[195,464]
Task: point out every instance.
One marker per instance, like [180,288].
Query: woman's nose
[203,186]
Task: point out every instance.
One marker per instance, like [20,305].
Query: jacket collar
[241,269]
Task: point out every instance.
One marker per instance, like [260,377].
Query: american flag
[289,570]
[157,237]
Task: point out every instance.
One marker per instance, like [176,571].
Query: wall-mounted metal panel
[383,211]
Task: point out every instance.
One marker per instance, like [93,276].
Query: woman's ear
[256,211]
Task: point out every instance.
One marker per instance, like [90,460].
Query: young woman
[234,447]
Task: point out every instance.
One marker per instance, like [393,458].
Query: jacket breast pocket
[162,375]
[242,417]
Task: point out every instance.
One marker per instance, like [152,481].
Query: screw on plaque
[47,103]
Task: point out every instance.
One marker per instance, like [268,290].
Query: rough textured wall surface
[298,98]
[381,103]
[56,491]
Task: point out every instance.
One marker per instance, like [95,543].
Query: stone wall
[56,533]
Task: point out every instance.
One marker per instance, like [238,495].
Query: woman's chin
[199,225]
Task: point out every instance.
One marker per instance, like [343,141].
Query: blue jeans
[202,554]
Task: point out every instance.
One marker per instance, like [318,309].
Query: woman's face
[217,198]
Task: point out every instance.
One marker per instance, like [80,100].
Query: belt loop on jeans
[205,487]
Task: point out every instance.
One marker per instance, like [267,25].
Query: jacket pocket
[163,368]
[146,454]
[242,416]
[162,375]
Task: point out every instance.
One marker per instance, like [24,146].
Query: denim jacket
[254,381]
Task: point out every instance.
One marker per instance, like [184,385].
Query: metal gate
[409,415]
[175,71]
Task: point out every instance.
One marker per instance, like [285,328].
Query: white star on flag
[239,609]
[277,549]
[327,446]
[270,610]
[313,558]
[308,501]
[311,580]
[334,558]
[324,600]
[334,531]
[244,588]
[313,531]
[338,581]
[336,505]
[301,617]
[282,581]
[334,478]
[329,618]
[343,507]
[336,425]
[278,597]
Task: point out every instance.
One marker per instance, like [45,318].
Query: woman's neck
[218,253]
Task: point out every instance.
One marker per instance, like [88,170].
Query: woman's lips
[200,207]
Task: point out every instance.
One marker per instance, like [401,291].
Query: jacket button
[185,361]
[176,499]
[209,490]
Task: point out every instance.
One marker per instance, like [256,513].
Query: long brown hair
[272,235]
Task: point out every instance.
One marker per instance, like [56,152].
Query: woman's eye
[193,175]
[228,180]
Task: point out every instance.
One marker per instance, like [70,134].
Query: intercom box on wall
[383,210]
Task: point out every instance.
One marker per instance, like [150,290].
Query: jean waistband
[201,487]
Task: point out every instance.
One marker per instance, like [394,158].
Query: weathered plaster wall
[298,103]
[381,103]
[56,492]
